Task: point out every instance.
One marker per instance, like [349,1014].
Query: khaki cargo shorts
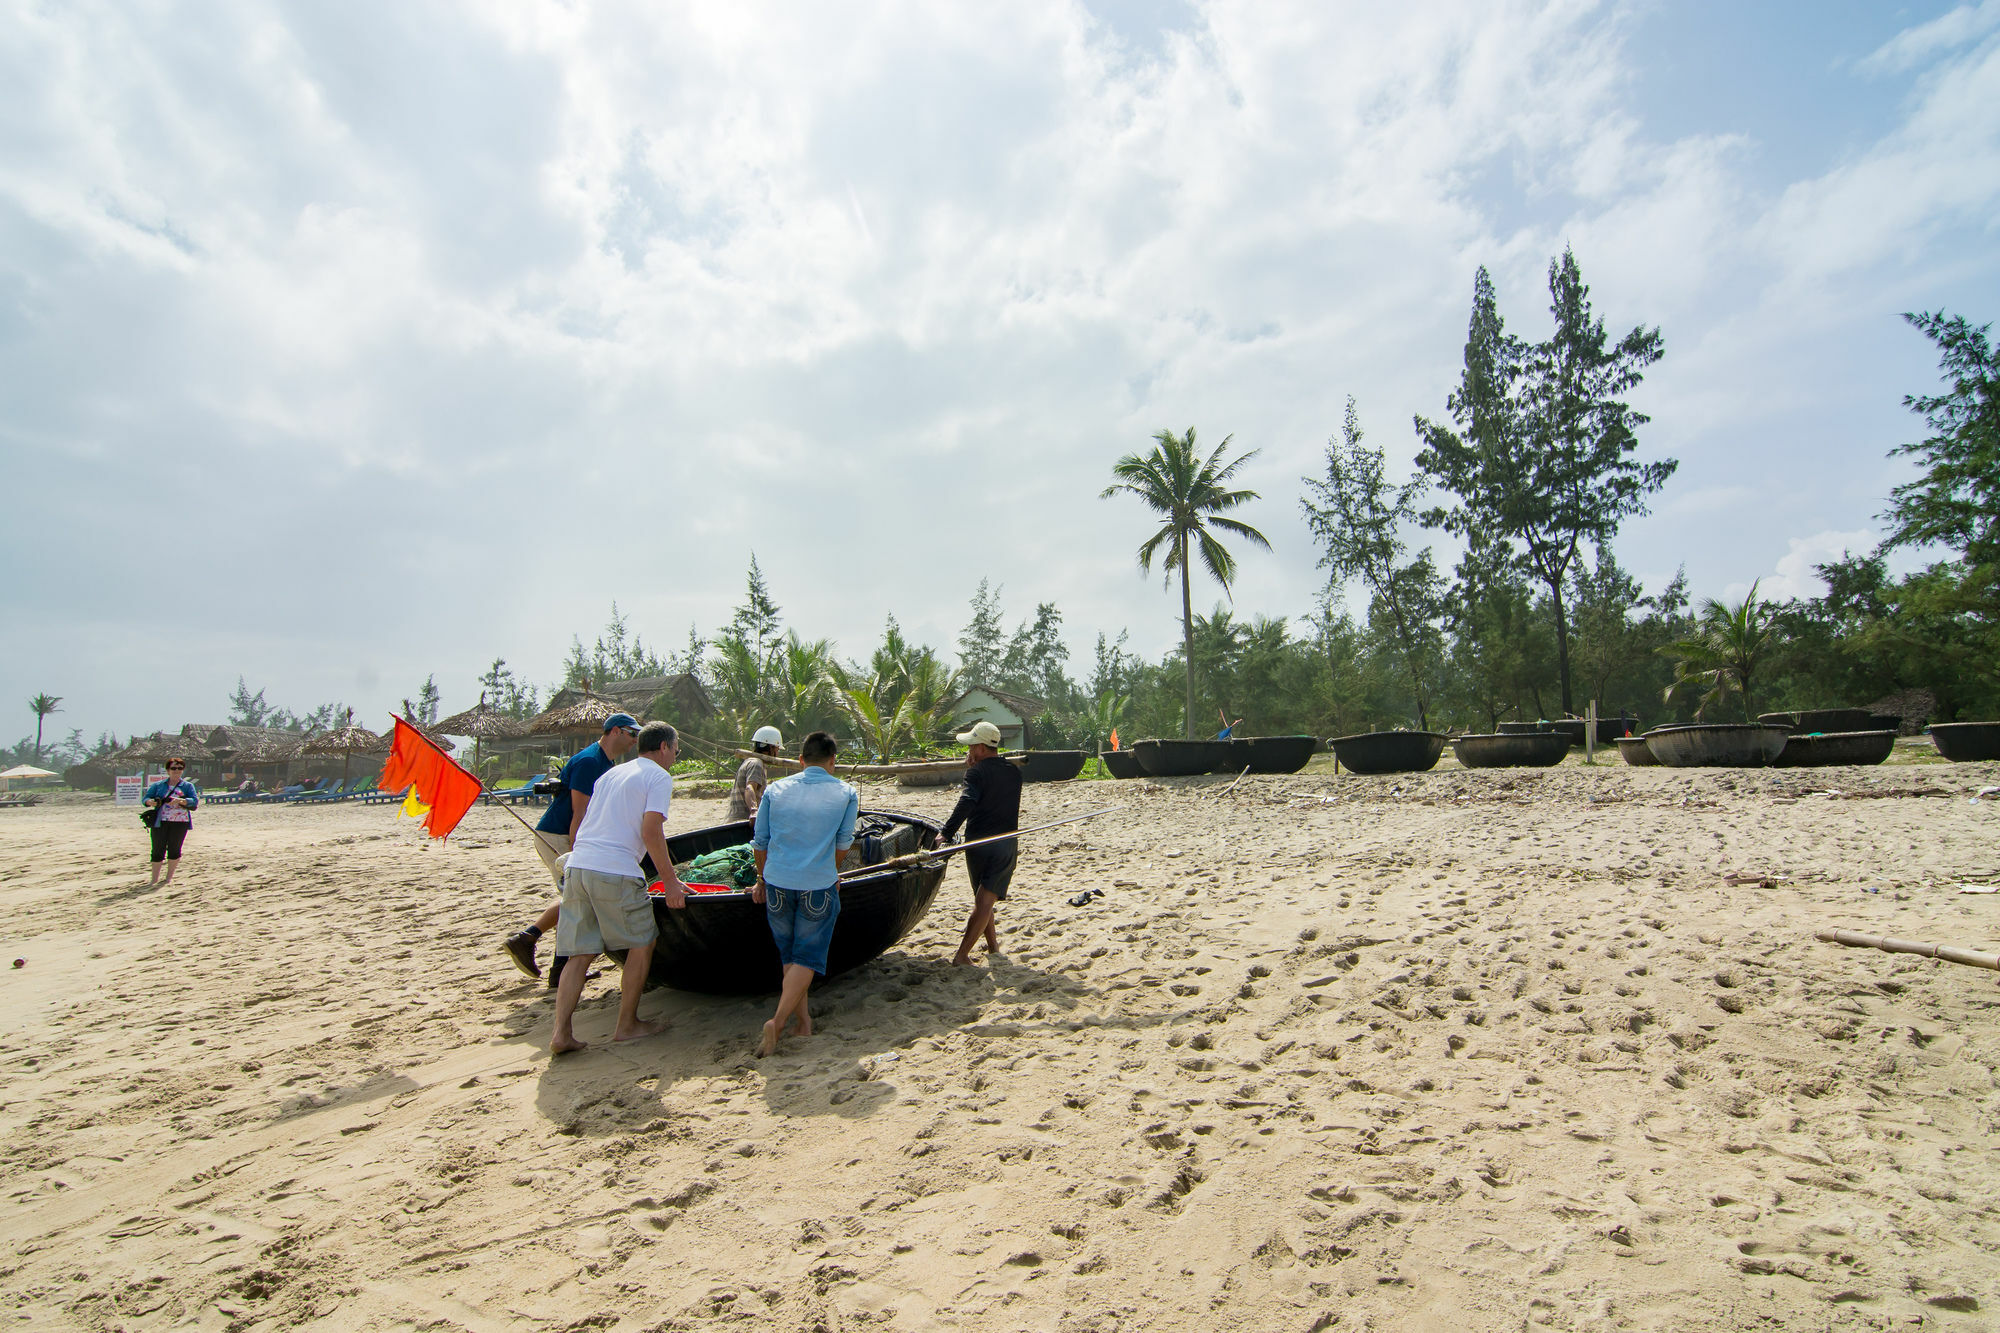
[601,912]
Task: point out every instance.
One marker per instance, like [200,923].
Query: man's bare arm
[653,832]
[579,801]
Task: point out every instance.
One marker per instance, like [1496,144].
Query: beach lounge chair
[325,795]
[515,795]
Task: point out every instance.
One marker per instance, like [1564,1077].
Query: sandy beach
[1455,1051]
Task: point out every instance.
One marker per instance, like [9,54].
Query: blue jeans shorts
[802,924]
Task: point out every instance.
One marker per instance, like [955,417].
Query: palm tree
[1729,643]
[43,705]
[1189,492]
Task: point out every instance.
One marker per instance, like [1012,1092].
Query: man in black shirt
[990,805]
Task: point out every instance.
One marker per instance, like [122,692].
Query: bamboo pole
[939,853]
[1950,953]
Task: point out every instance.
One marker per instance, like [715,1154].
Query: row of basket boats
[1807,739]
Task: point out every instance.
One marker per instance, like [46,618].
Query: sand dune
[1455,1051]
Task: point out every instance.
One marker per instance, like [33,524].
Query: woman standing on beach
[172,803]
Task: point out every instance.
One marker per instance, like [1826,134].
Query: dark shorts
[167,840]
[802,924]
[992,872]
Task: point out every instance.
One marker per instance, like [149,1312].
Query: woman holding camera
[171,803]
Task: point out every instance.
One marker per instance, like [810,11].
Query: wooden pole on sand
[1950,953]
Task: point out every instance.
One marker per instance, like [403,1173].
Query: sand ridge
[1444,1051]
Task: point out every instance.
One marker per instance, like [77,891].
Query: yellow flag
[413,807]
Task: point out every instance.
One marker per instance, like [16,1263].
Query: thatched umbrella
[483,723]
[346,741]
[583,716]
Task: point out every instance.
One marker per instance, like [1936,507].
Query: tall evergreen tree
[982,643]
[1543,451]
[1357,521]
[756,623]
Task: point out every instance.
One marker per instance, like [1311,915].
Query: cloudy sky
[350,343]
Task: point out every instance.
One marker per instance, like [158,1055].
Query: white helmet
[768,736]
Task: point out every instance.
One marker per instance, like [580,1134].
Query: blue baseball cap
[624,722]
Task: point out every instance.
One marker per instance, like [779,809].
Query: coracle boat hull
[1634,751]
[1808,720]
[1966,742]
[1271,754]
[1730,745]
[1389,751]
[1051,765]
[720,943]
[1122,764]
[1180,759]
[1824,749]
[1541,749]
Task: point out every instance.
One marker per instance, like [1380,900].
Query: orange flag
[434,780]
[1114,738]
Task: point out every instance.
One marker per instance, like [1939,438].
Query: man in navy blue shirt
[556,832]
[989,805]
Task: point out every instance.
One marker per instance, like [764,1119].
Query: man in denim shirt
[803,824]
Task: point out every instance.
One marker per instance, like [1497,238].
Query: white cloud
[1794,576]
[814,277]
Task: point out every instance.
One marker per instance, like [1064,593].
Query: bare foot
[800,1022]
[769,1046]
[566,1045]
[992,945]
[639,1031]
[962,960]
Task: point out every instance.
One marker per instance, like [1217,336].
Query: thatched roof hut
[165,745]
[483,723]
[575,713]
[253,745]
[349,739]
[636,696]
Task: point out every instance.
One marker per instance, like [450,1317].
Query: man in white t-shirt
[605,903]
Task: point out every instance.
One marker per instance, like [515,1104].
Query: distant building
[635,696]
[1012,713]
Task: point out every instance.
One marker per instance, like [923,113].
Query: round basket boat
[1823,749]
[1271,754]
[1389,751]
[1051,765]
[1885,722]
[1122,764]
[720,943]
[1181,759]
[1533,750]
[1808,720]
[1522,728]
[1634,751]
[1719,745]
[1966,742]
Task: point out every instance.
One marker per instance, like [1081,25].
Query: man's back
[610,841]
[993,789]
[803,822]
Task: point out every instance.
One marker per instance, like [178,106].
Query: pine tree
[981,645]
[756,624]
[1542,457]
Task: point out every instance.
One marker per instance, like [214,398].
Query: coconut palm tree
[1191,494]
[43,705]
[1729,644]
